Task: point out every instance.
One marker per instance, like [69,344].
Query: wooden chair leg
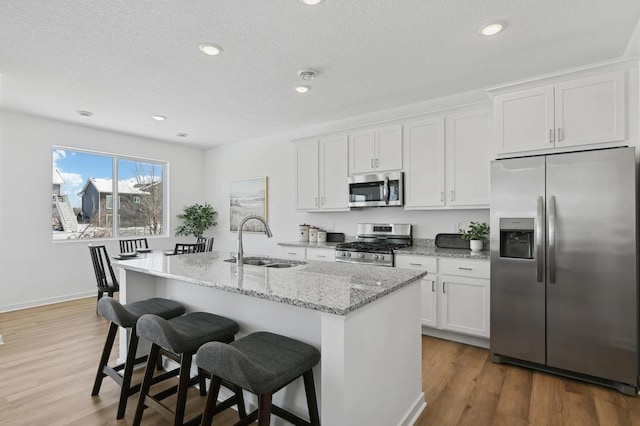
[212,400]
[104,359]
[146,383]
[312,402]
[183,386]
[125,391]
[264,409]
[99,297]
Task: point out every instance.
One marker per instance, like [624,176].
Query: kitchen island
[364,319]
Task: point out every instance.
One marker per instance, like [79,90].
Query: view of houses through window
[88,202]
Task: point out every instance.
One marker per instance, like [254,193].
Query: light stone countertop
[421,247]
[336,288]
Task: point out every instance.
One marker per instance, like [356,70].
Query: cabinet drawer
[409,261]
[293,252]
[328,255]
[464,267]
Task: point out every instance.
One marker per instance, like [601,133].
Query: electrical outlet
[454,227]
[331,226]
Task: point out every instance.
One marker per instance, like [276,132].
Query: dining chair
[208,243]
[105,277]
[129,245]
[184,248]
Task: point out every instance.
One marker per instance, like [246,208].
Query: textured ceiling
[125,60]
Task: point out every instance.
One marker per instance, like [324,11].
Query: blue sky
[76,167]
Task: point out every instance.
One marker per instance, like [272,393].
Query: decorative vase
[476,245]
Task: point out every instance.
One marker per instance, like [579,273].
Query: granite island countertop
[336,288]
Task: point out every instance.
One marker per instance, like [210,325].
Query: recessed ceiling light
[159,117]
[84,113]
[210,49]
[302,89]
[311,2]
[492,29]
[181,135]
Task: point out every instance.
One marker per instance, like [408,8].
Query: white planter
[476,245]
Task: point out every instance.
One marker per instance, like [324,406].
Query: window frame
[115,225]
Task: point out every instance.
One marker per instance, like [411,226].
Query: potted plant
[476,234]
[197,218]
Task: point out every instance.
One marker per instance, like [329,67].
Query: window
[84,189]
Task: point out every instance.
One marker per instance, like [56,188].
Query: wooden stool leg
[312,402]
[183,386]
[146,383]
[125,391]
[242,412]
[104,359]
[264,409]
[212,399]
[203,381]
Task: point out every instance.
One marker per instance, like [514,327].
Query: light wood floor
[48,362]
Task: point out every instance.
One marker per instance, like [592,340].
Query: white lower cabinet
[455,293]
[309,253]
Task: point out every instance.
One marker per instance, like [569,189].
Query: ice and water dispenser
[516,238]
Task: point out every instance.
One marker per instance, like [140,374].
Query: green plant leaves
[197,218]
[476,231]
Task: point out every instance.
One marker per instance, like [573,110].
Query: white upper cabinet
[424,163]
[467,154]
[375,150]
[583,111]
[321,174]
[447,168]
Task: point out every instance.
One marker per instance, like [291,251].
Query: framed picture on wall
[248,197]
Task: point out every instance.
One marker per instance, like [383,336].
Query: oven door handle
[385,191]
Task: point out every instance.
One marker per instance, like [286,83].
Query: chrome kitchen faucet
[240,257]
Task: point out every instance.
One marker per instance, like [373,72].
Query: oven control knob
[375,256]
[348,254]
[361,255]
[343,254]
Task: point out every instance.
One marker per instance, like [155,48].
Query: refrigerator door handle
[552,239]
[539,247]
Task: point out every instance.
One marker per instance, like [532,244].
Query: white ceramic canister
[313,234]
[322,236]
[303,235]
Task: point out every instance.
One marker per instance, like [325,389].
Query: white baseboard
[414,412]
[456,337]
[47,301]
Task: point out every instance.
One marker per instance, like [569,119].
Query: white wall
[275,159]
[33,269]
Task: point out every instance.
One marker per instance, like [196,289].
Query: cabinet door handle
[444,290]
[377,162]
[453,195]
[372,166]
[320,255]
[560,134]
[415,264]
[550,135]
[433,285]
[465,269]
[316,201]
[322,200]
[442,196]
[292,254]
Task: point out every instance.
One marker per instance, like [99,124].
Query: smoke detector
[307,74]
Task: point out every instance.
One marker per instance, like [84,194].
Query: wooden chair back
[105,277]
[182,248]
[130,245]
[208,243]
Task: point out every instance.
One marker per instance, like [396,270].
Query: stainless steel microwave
[376,190]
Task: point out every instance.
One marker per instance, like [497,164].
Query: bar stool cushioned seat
[181,336]
[127,316]
[262,363]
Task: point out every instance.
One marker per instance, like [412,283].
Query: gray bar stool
[262,363]
[126,316]
[181,336]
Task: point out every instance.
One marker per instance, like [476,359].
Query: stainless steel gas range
[375,243]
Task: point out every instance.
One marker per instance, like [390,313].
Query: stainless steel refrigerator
[564,283]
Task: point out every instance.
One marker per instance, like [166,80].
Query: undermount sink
[268,262]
